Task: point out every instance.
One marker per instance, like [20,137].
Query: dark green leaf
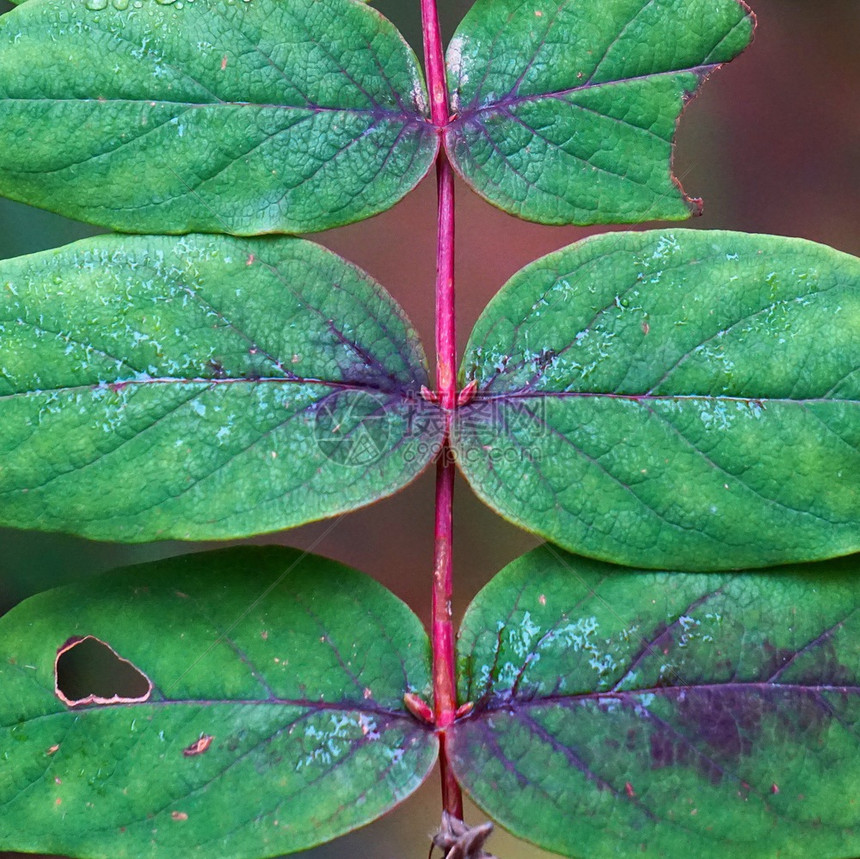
[202,387]
[242,118]
[272,719]
[624,713]
[565,112]
[678,399]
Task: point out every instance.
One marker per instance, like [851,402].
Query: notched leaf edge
[694,205]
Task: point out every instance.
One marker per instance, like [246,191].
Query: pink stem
[434,59]
[446,341]
[444,684]
[444,689]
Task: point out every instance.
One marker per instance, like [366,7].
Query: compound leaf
[202,387]
[628,713]
[208,116]
[673,399]
[565,112]
[267,715]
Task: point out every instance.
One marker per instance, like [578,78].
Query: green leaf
[272,716]
[624,713]
[242,118]
[201,388]
[673,399]
[565,112]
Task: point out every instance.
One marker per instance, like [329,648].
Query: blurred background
[772,144]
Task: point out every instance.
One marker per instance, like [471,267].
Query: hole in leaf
[88,671]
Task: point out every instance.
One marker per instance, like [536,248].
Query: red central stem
[434,60]
[444,684]
[444,689]
[446,342]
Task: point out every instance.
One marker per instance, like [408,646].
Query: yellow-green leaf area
[565,112]
[673,399]
[626,712]
[271,718]
[208,116]
[202,387]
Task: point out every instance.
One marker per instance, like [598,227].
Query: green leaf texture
[565,112]
[625,713]
[673,399]
[209,116]
[293,667]
[274,719]
[201,388]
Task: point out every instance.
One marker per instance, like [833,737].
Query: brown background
[772,145]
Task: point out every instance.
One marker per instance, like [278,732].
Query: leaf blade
[296,674]
[565,113]
[202,387]
[618,710]
[246,119]
[641,392]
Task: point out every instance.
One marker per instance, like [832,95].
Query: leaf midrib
[469,112]
[118,386]
[364,706]
[524,394]
[375,111]
[497,703]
